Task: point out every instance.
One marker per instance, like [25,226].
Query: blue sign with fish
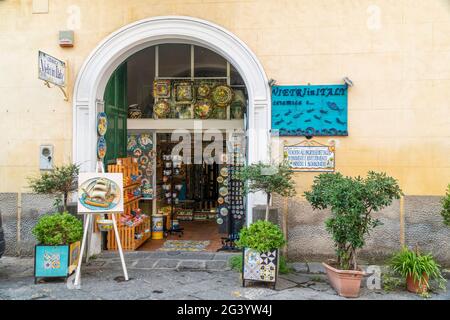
[310,110]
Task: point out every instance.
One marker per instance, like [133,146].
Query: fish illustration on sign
[327,121]
[340,121]
[308,120]
[277,115]
[289,123]
[317,117]
[323,111]
[279,122]
[288,113]
[297,115]
[310,110]
[333,106]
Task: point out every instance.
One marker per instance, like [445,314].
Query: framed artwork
[183,92]
[161,89]
[100,192]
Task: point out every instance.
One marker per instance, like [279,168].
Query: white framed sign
[100,192]
[310,158]
[51,69]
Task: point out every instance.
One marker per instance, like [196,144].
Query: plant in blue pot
[58,249]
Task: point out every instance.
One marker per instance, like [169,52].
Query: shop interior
[174,200]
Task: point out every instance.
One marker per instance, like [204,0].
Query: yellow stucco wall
[396,52]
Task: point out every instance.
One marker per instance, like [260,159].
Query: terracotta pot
[413,285]
[347,283]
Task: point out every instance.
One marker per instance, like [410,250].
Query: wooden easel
[99,168]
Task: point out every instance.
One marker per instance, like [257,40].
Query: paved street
[162,275]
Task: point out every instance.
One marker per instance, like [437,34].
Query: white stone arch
[107,56]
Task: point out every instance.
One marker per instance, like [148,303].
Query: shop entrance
[177,114]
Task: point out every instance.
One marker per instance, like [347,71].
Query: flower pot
[258,266]
[347,283]
[55,261]
[413,285]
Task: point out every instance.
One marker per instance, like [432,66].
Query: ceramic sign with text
[310,110]
[310,158]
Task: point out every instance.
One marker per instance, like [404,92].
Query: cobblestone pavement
[173,276]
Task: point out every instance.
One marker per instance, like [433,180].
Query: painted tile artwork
[51,261]
[260,267]
[310,110]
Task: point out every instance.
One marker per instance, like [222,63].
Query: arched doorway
[116,48]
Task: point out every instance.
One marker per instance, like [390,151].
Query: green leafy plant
[352,202]
[59,228]
[61,181]
[269,178]
[421,267]
[446,207]
[261,236]
[391,283]
[235,264]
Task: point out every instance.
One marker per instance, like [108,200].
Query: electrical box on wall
[46,157]
[66,38]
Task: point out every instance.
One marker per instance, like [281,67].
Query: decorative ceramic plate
[161,88]
[223,191]
[101,148]
[222,95]
[89,199]
[219,220]
[202,109]
[137,152]
[102,123]
[143,160]
[224,172]
[184,92]
[145,140]
[219,179]
[220,200]
[203,91]
[161,108]
[224,211]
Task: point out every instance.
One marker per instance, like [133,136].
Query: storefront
[165,80]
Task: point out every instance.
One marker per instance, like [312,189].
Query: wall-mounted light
[272,82]
[348,82]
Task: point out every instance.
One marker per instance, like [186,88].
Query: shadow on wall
[308,239]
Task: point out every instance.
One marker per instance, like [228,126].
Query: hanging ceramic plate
[137,152]
[101,148]
[203,91]
[219,179]
[102,123]
[161,109]
[224,211]
[184,92]
[145,141]
[224,172]
[222,95]
[220,200]
[143,160]
[202,109]
[223,191]
[219,220]
[225,182]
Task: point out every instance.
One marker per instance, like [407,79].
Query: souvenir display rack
[232,212]
[134,227]
[172,170]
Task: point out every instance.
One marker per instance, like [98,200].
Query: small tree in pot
[60,181]
[269,178]
[445,213]
[352,201]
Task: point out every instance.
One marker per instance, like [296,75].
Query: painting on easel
[100,192]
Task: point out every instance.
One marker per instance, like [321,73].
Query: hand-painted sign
[310,158]
[100,192]
[51,69]
[310,110]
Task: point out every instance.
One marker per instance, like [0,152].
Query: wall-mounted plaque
[310,157]
[310,110]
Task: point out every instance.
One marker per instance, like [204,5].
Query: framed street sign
[51,69]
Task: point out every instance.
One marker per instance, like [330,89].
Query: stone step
[179,255]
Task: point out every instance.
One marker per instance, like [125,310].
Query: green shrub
[352,202]
[261,236]
[57,229]
[446,207]
[413,263]
[235,263]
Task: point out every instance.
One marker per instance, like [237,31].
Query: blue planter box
[55,261]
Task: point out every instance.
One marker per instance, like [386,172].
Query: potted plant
[260,243]
[61,181]
[268,178]
[446,207]
[417,269]
[58,248]
[352,201]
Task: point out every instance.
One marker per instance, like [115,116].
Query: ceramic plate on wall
[101,148]
[223,191]
[224,172]
[102,123]
[224,211]
[219,179]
